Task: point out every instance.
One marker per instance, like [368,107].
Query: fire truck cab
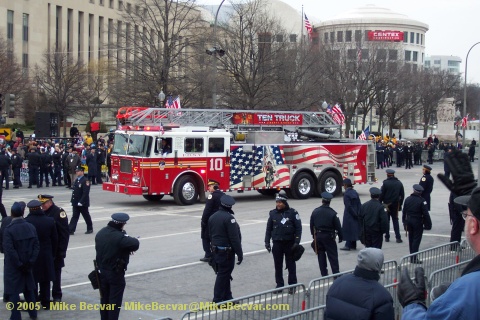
[157,155]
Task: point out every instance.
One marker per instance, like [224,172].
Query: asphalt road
[166,269]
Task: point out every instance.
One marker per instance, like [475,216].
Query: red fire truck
[175,152]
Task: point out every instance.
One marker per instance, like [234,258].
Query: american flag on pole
[173,103]
[464,121]
[336,113]
[308,26]
[365,133]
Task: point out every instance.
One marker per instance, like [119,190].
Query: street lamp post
[214,87]
[161,98]
[465,93]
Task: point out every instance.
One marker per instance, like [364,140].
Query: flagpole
[302,24]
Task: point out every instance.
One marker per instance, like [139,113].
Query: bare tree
[62,79]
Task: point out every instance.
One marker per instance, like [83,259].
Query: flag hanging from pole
[308,26]
[365,133]
[336,113]
[464,121]
[173,103]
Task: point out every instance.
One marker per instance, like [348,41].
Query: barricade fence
[443,263]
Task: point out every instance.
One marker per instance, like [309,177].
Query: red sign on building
[385,35]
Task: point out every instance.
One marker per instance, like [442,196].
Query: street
[166,268]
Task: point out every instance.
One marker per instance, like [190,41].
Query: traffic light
[10,104]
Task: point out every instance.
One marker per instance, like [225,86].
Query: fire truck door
[217,161]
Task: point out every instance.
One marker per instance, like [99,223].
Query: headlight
[135,180]
[115,176]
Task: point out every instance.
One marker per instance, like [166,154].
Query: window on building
[382,54]
[452,63]
[339,36]
[279,38]
[405,36]
[408,55]
[414,68]
[293,38]
[418,38]
[412,37]
[325,37]
[436,62]
[25,61]
[10,24]
[348,36]
[111,4]
[129,7]
[408,67]
[421,39]
[365,54]
[415,56]
[358,35]
[392,55]
[381,66]
[92,1]
[25,27]
[332,36]
[352,54]
[427,64]
[366,35]
[392,67]
[120,5]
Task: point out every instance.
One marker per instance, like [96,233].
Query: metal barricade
[389,279]
[309,314]
[263,305]
[466,253]
[432,259]
[447,274]
[318,288]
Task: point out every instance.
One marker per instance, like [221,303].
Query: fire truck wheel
[185,191]
[150,197]
[302,186]
[331,183]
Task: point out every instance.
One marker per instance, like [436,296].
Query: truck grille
[125,166]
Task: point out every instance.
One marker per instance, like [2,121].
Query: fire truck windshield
[132,145]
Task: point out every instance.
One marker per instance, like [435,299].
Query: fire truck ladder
[312,122]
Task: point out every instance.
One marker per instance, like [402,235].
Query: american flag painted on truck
[338,155]
[265,164]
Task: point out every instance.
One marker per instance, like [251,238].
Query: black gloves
[240,259]
[463,178]
[268,247]
[409,292]
[25,268]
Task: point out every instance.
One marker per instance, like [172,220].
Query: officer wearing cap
[408,150]
[211,206]
[5,164]
[101,155]
[324,225]
[34,162]
[392,198]
[57,167]
[17,162]
[427,184]
[415,218]
[350,225]
[373,220]
[21,251]
[61,223]
[226,241]
[80,202]
[284,227]
[45,166]
[113,248]
[43,269]
[91,161]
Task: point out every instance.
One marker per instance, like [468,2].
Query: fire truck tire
[330,182]
[185,191]
[303,186]
[151,197]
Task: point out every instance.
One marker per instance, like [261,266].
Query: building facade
[448,63]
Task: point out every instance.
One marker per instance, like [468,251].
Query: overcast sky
[454,25]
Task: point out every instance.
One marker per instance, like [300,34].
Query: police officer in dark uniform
[284,227]
[373,220]
[66,175]
[113,248]
[456,219]
[34,162]
[226,242]
[211,206]
[431,151]
[61,223]
[43,269]
[415,218]
[45,165]
[91,162]
[5,163]
[57,168]
[392,197]
[380,150]
[17,162]
[408,151]
[399,148]
[427,184]
[101,155]
[324,223]
[80,202]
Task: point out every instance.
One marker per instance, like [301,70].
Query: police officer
[415,218]
[351,225]
[101,155]
[34,162]
[65,168]
[211,206]
[226,242]
[427,184]
[5,163]
[43,269]
[61,223]
[380,150]
[113,248]
[456,220]
[399,148]
[57,167]
[17,162]
[284,227]
[392,197]
[324,223]
[45,165]
[3,212]
[373,220]
[408,151]
[80,202]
